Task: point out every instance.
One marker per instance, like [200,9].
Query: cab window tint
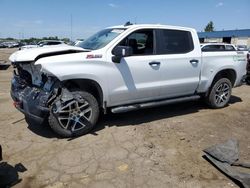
[230,48]
[174,42]
[141,42]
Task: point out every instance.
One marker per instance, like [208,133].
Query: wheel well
[227,73]
[87,85]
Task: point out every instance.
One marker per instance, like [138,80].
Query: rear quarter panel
[214,62]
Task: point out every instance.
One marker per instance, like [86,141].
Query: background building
[236,37]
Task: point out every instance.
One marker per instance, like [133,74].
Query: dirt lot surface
[159,147]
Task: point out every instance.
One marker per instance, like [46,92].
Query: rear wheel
[248,80]
[220,93]
[75,117]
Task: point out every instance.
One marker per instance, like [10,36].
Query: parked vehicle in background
[70,86]
[43,43]
[248,68]
[2,45]
[9,44]
[77,42]
[215,47]
[13,45]
[242,47]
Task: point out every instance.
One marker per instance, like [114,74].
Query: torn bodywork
[30,99]
[34,92]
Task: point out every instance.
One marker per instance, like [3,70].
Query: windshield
[100,39]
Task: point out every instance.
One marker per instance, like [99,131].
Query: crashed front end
[32,90]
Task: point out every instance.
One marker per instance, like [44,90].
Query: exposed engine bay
[31,74]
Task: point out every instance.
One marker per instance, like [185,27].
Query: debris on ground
[9,174]
[226,155]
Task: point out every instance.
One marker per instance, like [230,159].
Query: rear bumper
[31,101]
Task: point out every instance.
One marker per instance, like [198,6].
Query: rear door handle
[154,63]
[194,61]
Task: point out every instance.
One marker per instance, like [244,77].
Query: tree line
[36,40]
[209,28]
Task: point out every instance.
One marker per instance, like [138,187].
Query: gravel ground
[158,147]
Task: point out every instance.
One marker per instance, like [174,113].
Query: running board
[128,108]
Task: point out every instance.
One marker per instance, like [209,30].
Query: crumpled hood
[34,53]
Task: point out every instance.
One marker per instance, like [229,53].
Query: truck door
[180,62]
[137,77]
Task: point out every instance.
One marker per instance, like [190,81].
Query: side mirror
[120,52]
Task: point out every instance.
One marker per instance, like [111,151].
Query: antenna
[128,23]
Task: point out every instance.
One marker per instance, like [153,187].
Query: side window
[230,48]
[141,41]
[213,48]
[220,47]
[206,49]
[174,42]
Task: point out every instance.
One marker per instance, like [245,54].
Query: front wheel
[220,93]
[75,117]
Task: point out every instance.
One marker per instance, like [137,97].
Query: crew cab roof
[135,26]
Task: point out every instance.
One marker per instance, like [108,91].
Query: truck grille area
[30,99]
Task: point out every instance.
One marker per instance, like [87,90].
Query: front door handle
[154,63]
[194,61]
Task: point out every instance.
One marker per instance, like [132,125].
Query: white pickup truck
[120,68]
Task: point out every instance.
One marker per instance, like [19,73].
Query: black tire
[220,93]
[248,80]
[76,117]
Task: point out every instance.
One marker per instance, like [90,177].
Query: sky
[43,18]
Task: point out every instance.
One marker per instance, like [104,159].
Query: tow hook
[17,104]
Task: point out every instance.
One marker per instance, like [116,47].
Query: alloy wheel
[222,93]
[74,115]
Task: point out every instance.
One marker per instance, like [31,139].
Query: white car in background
[215,47]
[77,42]
[9,44]
[242,47]
[43,43]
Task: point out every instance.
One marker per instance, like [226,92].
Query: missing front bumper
[31,101]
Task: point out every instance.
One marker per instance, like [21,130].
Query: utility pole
[71,25]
